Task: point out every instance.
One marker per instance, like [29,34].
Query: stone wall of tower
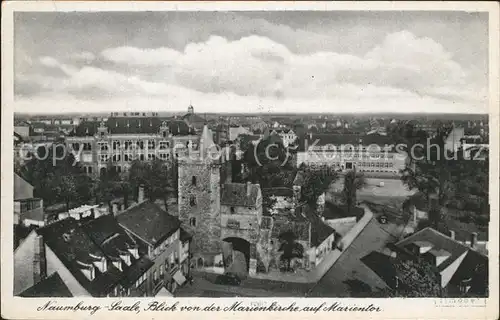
[204,188]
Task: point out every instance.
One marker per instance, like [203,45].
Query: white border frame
[25,308]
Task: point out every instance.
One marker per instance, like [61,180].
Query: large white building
[365,153]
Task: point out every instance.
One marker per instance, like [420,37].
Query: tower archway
[236,255]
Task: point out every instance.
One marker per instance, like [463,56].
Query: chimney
[310,135]
[114,208]
[39,262]
[140,195]
[452,234]
[473,240]
[249,187]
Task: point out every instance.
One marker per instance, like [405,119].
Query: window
[193,181]
[116,158]
[151,144]
[164,134]
[164,145]
[192,200]
[90,169]
[103,157]
[151,156]
[87,146]
[192,222]
[116,145]
[232,210]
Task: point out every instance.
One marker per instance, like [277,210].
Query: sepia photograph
[240,153]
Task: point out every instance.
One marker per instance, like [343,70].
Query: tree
[353,181]
[269,163]
[290,247]
[416,278]
[431,171]
[315,183]
[56,176]
[156,178]
[158,182]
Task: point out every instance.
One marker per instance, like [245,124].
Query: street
[348,268]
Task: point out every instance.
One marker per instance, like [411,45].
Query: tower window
[192,222]
[193,181]
[164,134]
[232,210]
[192,200]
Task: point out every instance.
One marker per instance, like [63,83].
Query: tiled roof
[344,139]
[132,125]
[51,287]
[193,118]
[184,235]
[299,228]
[475,267]
[278,192]
[319,230]
[383,266]
[71,244]
[236,194]
[110,237]
[333,211]
[149,222]
[439,242]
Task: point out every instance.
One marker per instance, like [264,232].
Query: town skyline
[280,62]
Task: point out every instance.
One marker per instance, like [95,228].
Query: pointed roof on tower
[206,140]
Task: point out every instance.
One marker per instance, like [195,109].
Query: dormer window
[118,264]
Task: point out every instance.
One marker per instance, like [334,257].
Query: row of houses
[140,251]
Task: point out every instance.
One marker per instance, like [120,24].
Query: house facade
[121,140]
[106,256]
[365,153]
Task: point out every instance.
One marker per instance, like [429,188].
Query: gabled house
[460,270]
[165,243]
[101,258]
[28,211]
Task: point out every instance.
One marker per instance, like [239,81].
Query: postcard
[270,159]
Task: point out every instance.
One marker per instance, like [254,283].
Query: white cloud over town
[401,72]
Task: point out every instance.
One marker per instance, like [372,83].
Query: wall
[207,232]
[23,131]
[55,265]
[23,264]
[448,273]
[325,247]
[159,262]
[356,229]
[342,223]
[22,189]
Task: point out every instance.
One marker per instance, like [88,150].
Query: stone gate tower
[199,197]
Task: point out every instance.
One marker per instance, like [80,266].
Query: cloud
[259,66]
[85,56]
[141,57]
[403,70]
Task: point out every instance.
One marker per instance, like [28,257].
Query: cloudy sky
[251,61]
